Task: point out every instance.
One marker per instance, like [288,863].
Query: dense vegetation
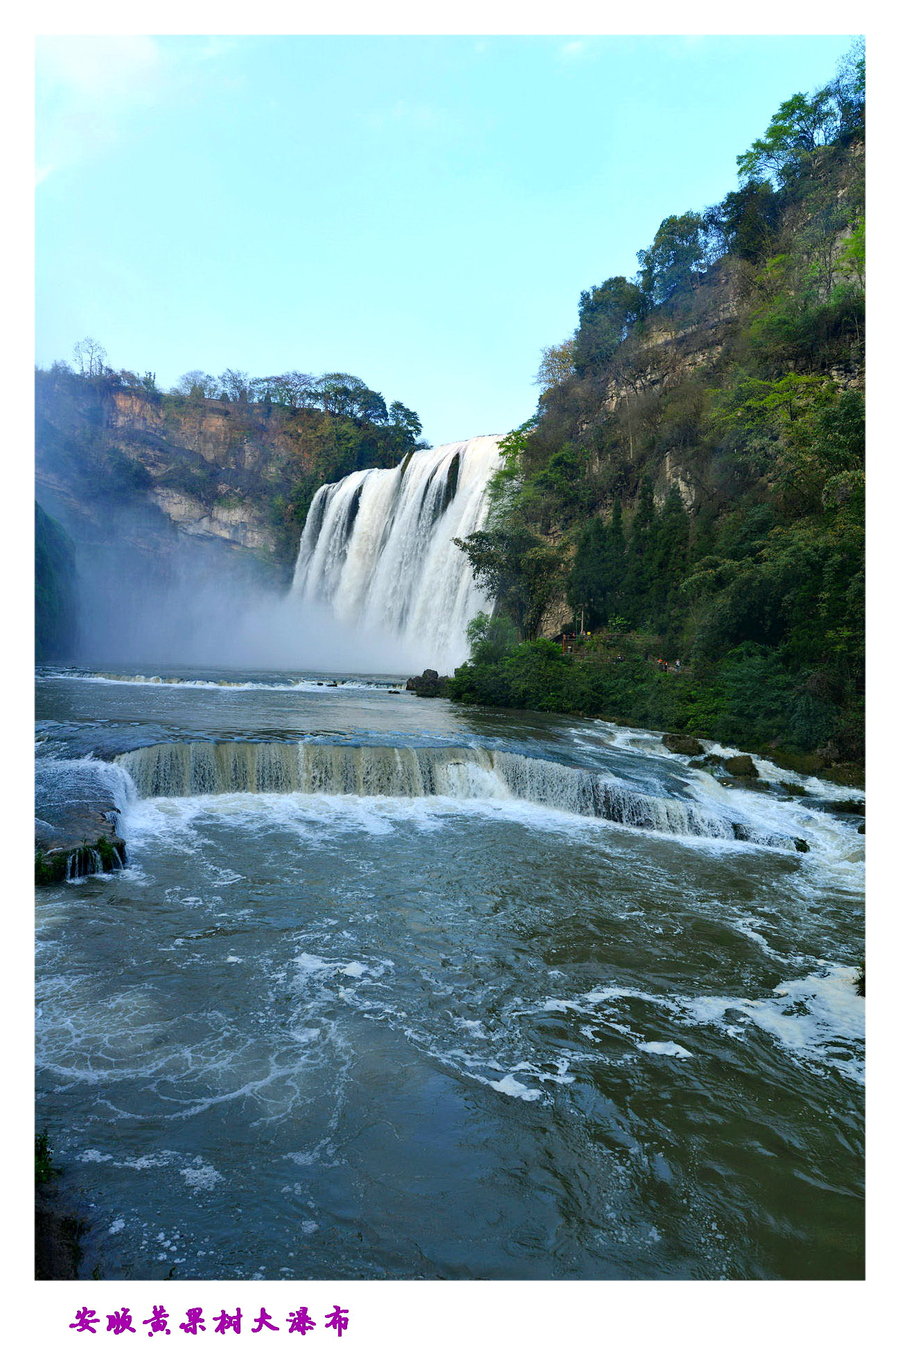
[54,590]
[691,486]
[270,442]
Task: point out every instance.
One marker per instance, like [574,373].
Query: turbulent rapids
[179,769]
[378,548]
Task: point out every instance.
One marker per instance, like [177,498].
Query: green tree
[518,569]
[605,315]
[638,577]
[595,580]
[557,365]
[746,221]
[679,250]
[803,124]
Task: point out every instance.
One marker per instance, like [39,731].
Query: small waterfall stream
[378,548]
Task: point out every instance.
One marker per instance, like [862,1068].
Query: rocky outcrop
[88,847]
[741,765]
[429,684]
[210,470]
[236,521]
[683,745]
[76,822]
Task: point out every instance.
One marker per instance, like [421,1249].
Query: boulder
[429,684]
[683,745]
[801,844]
[741,765]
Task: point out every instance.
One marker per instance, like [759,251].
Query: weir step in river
[183,769]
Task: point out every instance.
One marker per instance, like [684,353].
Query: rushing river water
[425,991]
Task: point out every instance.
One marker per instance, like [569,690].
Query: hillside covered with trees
[691,486]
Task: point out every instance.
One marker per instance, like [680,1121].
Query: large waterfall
[378,548]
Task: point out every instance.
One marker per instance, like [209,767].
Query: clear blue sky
[420,211]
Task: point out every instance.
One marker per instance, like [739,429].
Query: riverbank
[57,1229]
[747,701]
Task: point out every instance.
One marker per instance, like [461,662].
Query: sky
[422,212]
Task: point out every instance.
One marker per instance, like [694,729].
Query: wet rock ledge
[75,827]
[58,856]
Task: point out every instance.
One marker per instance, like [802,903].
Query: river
[394,1003]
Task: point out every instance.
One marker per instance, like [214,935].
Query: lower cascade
[182,769]
[378,548]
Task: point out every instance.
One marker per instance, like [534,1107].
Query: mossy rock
[861,829]
[846,774]
[683,745]
[742,765]
[790,788]
[857,807]
[87,858]
[806,764]
[801,844]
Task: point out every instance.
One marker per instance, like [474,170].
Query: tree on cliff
[557,364]
[605,315]
[804,123]
[90,356]
[680,248]
[197,385]
[236,386]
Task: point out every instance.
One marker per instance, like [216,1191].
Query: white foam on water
[180,683]
[836,851]
[665,1048]
[817,1020]
[310,965]
[201,1177]
[179,821]
[514,1089]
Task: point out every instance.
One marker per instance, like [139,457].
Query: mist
[202,605]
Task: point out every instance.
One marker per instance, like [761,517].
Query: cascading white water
[378,548]
[180,769]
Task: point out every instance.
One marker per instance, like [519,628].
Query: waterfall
[378,549]
[180,769]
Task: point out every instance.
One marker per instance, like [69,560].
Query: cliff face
[208,469]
